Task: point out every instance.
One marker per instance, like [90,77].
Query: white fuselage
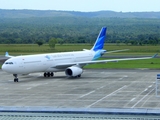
[45,62]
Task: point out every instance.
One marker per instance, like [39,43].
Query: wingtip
[155,55]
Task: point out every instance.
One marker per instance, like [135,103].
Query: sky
[84,5]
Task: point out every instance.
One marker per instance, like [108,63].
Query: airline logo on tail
[98,46]
[100,40]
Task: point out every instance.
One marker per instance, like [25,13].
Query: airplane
[70,62]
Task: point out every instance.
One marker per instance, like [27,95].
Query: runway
[95,89]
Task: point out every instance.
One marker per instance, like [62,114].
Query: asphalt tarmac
[101,88]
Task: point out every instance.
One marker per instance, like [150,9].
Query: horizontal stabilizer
[155,55]
[117,51]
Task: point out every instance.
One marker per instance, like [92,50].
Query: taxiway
[95,89]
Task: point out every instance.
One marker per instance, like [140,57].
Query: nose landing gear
[15,77]
[46,74]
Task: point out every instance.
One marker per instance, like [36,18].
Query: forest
[66,29]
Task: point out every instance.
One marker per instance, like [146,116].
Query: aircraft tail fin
[100,40]
[7,55]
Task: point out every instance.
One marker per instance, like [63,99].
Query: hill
[53,13]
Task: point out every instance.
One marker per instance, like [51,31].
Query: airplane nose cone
[3,67]
[6,68]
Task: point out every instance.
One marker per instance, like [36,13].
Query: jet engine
[74,71]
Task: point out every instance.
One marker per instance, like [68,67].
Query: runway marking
[132,99]
[146,89]
[147,100]
[91,92]
[138,95]
[100,87]
[87,94]
[142,98]
[29,88]
[125,76]
[106,96]
[32,86]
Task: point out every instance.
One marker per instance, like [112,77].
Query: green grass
[17,49]
[34,48]
[132,64]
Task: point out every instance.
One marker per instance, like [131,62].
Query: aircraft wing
[65,65]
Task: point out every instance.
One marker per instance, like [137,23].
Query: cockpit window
[11,63]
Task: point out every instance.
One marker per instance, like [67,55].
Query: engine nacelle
[73,71]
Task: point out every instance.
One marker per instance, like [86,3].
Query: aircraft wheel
[16,80]
[48,74]
[79,76]
[15,77]
[45,74]
[52,74]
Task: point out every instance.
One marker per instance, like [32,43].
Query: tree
[118,42]
[126,42]
[60,41]
[52,43]
[39,43]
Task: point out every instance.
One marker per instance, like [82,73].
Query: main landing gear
[15,77]
[48,74]
[78,76]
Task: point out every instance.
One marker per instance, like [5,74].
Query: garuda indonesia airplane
[70,62]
